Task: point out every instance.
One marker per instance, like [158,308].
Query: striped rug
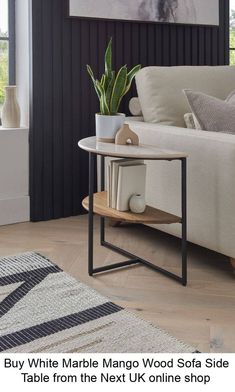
[43,309]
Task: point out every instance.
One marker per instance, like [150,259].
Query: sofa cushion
[160,89]
[213,114]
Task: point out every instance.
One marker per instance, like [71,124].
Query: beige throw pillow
[213,114]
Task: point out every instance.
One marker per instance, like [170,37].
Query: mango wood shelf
[150,216]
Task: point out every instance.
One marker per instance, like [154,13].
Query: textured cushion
[160,89]
[212,113]
[191,121]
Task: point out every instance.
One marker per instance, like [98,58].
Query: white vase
[137,204]
[108,126]
[11,109]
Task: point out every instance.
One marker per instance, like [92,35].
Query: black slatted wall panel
[63,101]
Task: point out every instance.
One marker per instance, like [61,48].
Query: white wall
[22,58]
[14,176]
[14,143]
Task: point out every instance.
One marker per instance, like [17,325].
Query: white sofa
[211,163]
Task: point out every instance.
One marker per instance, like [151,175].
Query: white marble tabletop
[142,151]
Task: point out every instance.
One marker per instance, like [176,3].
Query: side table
[97,203]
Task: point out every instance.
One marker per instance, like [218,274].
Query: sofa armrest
[211,182]
[138,124]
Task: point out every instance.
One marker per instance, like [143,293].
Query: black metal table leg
[91,213]
[184,220]
[102,185]
[133,259]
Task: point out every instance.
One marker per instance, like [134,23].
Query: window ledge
[14,129]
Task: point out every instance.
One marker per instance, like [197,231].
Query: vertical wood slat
[63,101]
[57,115]
[47,86]
[194,46]
[36,110]
[67,124]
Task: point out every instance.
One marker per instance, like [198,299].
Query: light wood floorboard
[202,314]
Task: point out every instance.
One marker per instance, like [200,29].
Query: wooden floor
[202,314]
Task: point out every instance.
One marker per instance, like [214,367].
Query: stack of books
[125,178]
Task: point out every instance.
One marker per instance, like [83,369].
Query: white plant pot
[11,109]
[108,126]
[137,204]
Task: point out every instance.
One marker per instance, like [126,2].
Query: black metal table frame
[133,259]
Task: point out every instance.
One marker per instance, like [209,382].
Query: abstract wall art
[201,12]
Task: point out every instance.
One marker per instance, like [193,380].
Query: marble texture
[91,144]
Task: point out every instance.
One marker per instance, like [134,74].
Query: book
[131,180]
[109,185]
[115,165]
[109,182]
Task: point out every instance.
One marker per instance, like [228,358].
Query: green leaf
[118,90]
[107,81]
[105,109]
[130,77]
[100,90]
[90,72]
[103,81]
[108,59]
[103,103]
[110,89]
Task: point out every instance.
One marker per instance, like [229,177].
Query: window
[7,45]
[232,32]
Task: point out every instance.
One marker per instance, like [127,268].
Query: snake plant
[112,87]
